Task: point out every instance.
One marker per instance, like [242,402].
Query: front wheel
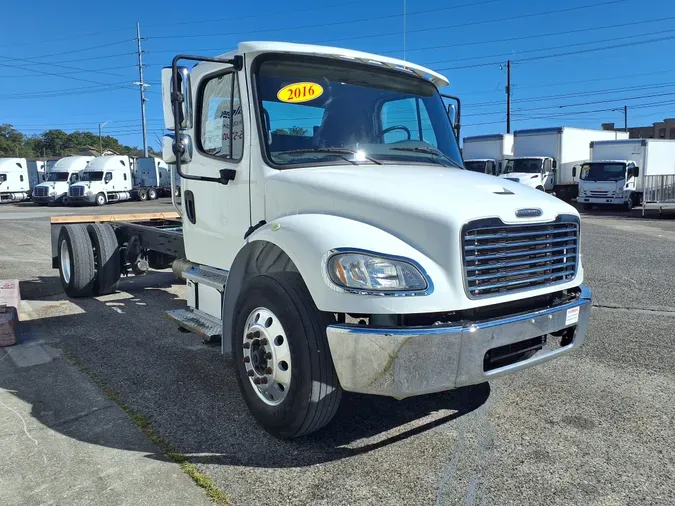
[100,199]
[282,359]
[628,205]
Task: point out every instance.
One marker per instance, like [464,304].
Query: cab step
[215,278]
[198,322]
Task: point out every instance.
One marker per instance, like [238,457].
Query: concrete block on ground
[10,301]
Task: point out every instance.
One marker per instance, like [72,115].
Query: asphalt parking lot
[595,427]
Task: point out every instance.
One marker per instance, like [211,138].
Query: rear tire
[142,194]
[76,261]
[100,199]
[106,258]
[313,394]
[152,194]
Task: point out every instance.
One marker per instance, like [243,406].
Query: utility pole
[508,97]
[141,86]
[100,138]
[625,118]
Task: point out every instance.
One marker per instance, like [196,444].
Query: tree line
[54,142]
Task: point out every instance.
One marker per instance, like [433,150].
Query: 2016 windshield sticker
[300,92]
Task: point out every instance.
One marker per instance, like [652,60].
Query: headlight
[52,191]
[361,271]
[89,193]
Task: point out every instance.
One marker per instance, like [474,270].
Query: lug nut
[264,341]
[256,381]
[263,381]
[247,360]
[247,346]
[256,333]
[249,335]
[268,356]
[269,370]
[250,373]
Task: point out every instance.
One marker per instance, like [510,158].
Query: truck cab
[61,175]
[105,179]
[612,182]
[534,171]
[332,239]
[14,181]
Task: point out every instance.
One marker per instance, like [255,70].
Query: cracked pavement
[594,427]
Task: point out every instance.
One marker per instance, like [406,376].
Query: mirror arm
[177,99]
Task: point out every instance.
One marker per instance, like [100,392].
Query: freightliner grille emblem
[528,213]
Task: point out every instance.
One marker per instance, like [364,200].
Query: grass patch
[144,424]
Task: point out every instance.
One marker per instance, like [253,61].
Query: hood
[522,177]
[426,206]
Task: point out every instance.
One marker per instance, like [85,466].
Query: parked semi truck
[487,153]
[151,178]
[304,257]
[62,174]
[105,179]
[18,177]
[618,169]
[549,159]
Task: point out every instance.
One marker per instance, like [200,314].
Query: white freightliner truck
[151,178]
[105,179]
[62,174]
[487,153]
[337,259]
[17,178]
[549,159]
[618,169]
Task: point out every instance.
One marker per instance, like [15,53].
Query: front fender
[308,238]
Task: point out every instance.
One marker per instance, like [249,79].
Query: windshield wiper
[427,151]
[333,151]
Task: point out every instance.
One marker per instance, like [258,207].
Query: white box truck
[618,170]
[62,174]
[487,154]
[14,180]
[305,258]
[549,159]
[105,179]
[151,178]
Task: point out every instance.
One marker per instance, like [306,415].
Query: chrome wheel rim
[64,255]
[267,356]
[101,199]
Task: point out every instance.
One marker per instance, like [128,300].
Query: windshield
[475,166]
[57,176]
[528,165]
[603,171]
[311,106]
[94,175]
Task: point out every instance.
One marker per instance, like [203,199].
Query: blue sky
[70,65]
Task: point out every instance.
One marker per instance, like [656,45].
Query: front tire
[100,199]
[282,359]
[628,206]
[76,261]
[106,258]
[142,194]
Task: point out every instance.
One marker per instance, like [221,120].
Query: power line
[476,23]
[332,23]
[69,38]
[82,50]
[538,36]
[104,57]
[98,71]
[29,61]
[44,72]
[568,53]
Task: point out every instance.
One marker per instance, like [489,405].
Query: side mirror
[454,110]
[574,171]
[555,165]
[185,90]
[169,147]
[554,170]
[636,171]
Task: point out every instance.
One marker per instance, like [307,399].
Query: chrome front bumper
[403,362]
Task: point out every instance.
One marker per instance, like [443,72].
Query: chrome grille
[500,259]
[41,191]
[599,193]
[76,191]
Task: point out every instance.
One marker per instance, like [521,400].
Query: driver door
[548,176]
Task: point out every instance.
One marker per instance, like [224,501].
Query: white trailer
[37,172]
[309,256]
[620,171]
[62,174]
[487,154]
[105,179]
[549,159]
[151,178]
[14,180]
